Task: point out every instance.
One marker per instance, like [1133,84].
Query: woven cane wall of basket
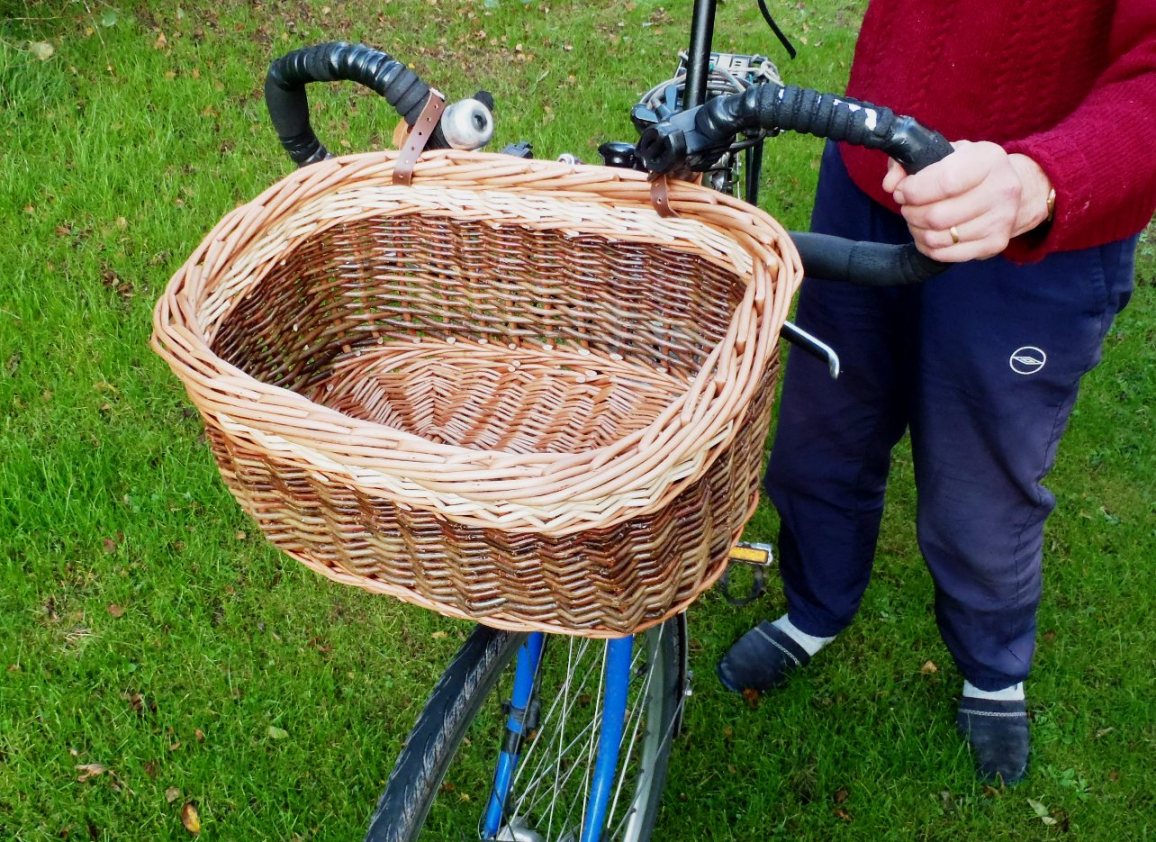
[509,392]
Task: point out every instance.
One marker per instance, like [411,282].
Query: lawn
[160,663]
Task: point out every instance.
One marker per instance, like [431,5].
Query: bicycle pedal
[758,557]
[750,552]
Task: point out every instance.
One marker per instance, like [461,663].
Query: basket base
[512,398]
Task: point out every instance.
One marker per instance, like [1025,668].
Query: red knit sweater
[1070,84]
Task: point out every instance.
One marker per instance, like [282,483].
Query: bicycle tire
[434,761]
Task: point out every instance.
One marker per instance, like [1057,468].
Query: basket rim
[596,487]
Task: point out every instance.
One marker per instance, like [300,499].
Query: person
[1054,171]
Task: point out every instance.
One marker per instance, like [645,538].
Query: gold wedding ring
[954,235]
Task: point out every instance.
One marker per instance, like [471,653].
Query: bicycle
[578,746]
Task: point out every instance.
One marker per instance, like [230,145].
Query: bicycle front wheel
[445,776]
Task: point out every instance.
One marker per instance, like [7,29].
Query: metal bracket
[813,346]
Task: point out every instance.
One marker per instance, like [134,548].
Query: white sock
[809,642]
[1015,693]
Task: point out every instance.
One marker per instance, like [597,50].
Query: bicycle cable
[782,36]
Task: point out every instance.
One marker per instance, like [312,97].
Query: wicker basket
[510,392]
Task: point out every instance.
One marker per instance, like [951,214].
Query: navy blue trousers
[981,365]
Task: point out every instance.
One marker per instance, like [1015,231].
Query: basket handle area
[467,124]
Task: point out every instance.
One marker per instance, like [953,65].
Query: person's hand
[970,204]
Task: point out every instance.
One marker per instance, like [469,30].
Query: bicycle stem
[698,55]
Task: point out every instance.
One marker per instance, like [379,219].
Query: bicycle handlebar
[466,124]
[696,138]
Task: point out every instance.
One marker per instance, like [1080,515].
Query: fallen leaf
[1041,812]
[277,733]
[841,796]
[190,819]
[116,610]
[439,635]
[41,49]
[929,668]
[843,814]
[240,535]
[200,735]
[162,42]
[1114,776]
[172,794]
[90,770]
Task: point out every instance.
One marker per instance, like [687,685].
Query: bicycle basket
[509,392]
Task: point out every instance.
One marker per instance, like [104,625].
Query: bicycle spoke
[562,707]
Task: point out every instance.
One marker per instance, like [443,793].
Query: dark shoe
[761,660]
[999,736]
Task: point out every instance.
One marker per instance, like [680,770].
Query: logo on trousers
[1027,360]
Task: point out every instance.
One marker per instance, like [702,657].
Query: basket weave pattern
[510,392]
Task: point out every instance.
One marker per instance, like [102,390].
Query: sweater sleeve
[1101,158]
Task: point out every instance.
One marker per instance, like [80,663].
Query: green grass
[145,628]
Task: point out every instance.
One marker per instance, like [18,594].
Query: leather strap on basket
[660,195]
[418,137]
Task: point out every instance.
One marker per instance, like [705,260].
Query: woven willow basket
[510,392]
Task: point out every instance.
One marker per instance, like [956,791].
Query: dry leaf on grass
[90,770]
[190,818]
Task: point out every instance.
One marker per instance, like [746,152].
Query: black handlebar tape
[804,110]
[841,119]
[863,263]
[289,106]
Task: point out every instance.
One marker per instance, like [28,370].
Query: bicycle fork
[521,720]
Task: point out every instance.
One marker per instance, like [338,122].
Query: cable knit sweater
[1072,85]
